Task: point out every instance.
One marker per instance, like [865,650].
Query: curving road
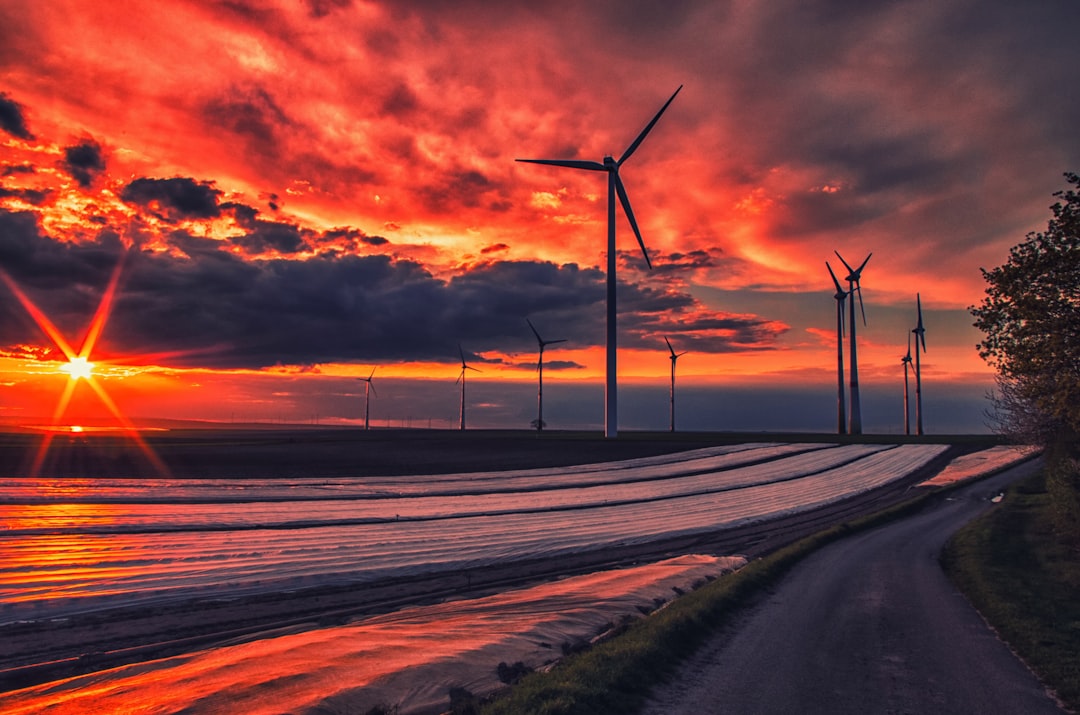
[869,624]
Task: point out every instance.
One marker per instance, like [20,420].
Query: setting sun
[78,367]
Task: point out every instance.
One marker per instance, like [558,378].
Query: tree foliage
[1031,321]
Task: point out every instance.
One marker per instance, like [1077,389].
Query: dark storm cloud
[203,305]
[252,114]
[674,262]
[462,188]
[270,236]
[84,161]
[13,169]
[30,196]
[351,238]
[322,8]
[11,118]
[178,197]
[401,100]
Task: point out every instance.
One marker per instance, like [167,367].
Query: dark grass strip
[1026,582]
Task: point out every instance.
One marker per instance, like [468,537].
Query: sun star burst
[78,367]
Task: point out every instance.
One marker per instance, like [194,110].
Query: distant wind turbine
[853,277]
[840,296]
[906,360]
[920,337]
[674,356]
[368,389]
[461,379]
[540,375]
[615,186]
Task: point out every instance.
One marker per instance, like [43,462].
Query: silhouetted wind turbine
[906,360]
[615,186]
[840,296]
[540,375]
[368,389]
[920,337]
[853,277]
[461,379]
[674,356]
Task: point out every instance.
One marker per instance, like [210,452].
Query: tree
[1031,318]
[1031,321]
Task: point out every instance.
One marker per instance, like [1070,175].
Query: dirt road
[869,624]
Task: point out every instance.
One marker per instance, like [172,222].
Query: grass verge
[1024,580]
[616,675]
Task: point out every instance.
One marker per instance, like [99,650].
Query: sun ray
[102,314]
[78,367]
[39,317]
[131,429]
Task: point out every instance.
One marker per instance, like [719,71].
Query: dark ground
[329,452]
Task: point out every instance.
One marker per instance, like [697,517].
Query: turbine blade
[460,376]
[552,342]
[625,201]
[533,328]
[843,318]
[569,163]
[682,353]
[648,127]
[669,346]
[861,306]
[372,373]
[462,354]
[373,389]
[850,271]
[839,288]
[863,264]
[474,369]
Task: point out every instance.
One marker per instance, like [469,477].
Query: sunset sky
[294,192]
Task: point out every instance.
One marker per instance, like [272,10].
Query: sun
[78,367]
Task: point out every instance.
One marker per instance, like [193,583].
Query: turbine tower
[540,375]
[674,356]
[368,389]
[840,296]
[920,337]
[461,379]
[853,277]
[615,187]
[906,360]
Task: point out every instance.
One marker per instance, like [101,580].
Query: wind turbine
[540,375]
[461,379]
[906,360]
[853,277]
[368,389]
[615,186]
[674,356]
[920,337]
[840,296]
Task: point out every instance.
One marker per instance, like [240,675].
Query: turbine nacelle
[853,277]
[919,330]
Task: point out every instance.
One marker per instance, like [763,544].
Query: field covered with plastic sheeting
[71,545]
